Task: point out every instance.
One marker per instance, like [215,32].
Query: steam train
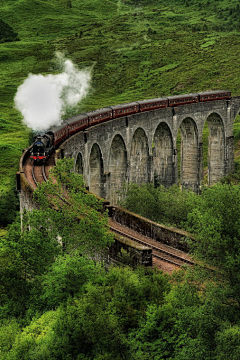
[45,144]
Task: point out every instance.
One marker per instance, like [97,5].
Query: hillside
[137,49]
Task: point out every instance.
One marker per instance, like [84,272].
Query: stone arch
[117,168]
[79,164]
[163,165]
[96,185]
[190,166]
[216,148]
[139,158]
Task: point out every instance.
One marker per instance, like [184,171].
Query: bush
[6,33]
[9,206]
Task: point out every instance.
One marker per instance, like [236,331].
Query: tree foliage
[57,303]
[167,206]
[6,32]
[9,205]
[69,222]
[216,224]
[71,216]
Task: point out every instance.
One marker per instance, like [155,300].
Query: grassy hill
[138,50]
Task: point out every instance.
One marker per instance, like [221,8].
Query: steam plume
[42,99]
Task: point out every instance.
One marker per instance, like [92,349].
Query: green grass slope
[138,50]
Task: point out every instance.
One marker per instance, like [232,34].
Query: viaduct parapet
[143,147]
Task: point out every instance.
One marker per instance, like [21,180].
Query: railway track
[38,174]
[161,253]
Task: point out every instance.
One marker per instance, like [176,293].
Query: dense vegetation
[7,33]
[213,218]
[55,303]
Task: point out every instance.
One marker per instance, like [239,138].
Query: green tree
[9,206]
[168,206]
[7,33]
[228,343]
[156,336]
[68,221]
[66,277]
[72,216]
[13,285]
[216,224]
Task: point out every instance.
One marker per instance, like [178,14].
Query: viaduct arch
[143,148]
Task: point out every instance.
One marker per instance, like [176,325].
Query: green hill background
[138,50]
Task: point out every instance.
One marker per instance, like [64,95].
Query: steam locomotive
[45,144]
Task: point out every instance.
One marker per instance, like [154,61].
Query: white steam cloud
[42,99]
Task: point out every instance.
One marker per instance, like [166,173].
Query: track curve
[165,257]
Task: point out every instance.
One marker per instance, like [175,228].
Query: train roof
[125,105]
[57,128]
[99,111]
[152,100]
[182,96]
[214,92]
[76,118]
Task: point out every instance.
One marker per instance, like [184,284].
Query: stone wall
[135,254]
[167,235]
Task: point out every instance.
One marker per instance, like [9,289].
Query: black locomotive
[42,148]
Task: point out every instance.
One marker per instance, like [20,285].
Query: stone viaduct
[142,148]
